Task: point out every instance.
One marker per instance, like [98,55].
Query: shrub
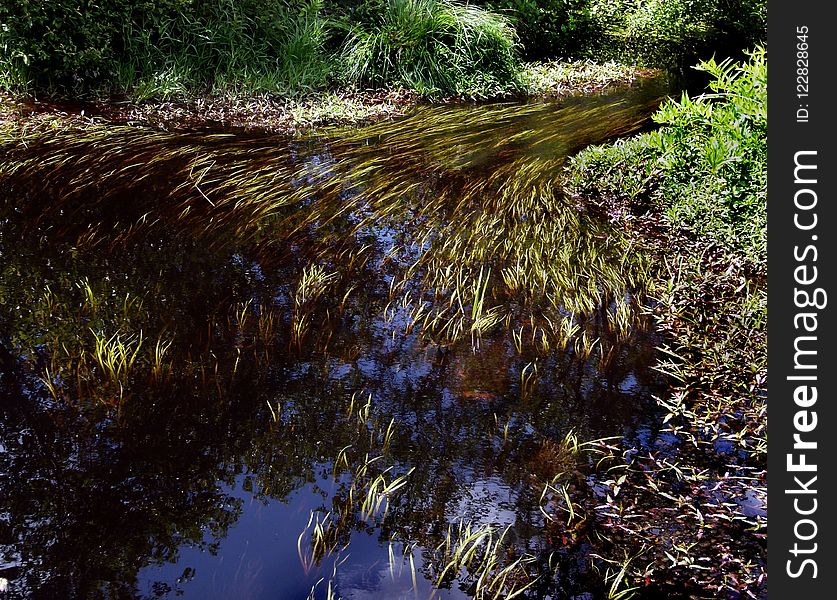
[435,47]
[45,43]
[669,32]
[706,167]
[549,28]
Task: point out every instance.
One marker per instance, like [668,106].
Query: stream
[359,364]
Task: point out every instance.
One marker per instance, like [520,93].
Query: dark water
[213,342]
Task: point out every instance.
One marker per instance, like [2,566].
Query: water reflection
[209,340]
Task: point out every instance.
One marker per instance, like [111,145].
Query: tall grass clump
[229,45]
[435,47]
[706,167]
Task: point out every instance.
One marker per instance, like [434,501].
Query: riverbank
[685,512]
[688,511]
[338,107]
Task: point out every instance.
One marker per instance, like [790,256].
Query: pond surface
[357,365]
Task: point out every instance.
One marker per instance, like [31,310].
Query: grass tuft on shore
[436,47]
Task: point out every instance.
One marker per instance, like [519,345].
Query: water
[212,342]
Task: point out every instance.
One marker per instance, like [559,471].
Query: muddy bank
[340,108]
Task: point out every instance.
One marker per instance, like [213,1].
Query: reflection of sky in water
[629,385]
[366,575]
[753,503]
[253,560]
[487,501]
[258,559]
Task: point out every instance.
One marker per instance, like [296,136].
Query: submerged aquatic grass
[477,552]
[479,234]
[116,354]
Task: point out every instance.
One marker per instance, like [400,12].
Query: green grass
[234,47]
[165,49]
[436,47]
[706,167]
[179,49]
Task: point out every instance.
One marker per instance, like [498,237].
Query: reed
[116,354]
[378,493]
[323,535]
[479,554]
[313,283]
[158,363]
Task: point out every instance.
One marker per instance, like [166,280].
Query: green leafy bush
[667,32]
[706,167]
[59,42]
[434,47]
[549,28]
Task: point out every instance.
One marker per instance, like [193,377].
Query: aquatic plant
[619,588]
[560,77]
[116,354]
[313,282]
[378,493]
[323,538]
[366,491]
[475,253]
[479,552]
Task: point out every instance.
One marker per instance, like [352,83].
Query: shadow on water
[359,364]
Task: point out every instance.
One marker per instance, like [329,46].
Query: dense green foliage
[163,48]
[58,41]
[271,46]
[706,167]
[177,47]
[675,33]
[168,48]
[434,46]
[653,32]
[551,28]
